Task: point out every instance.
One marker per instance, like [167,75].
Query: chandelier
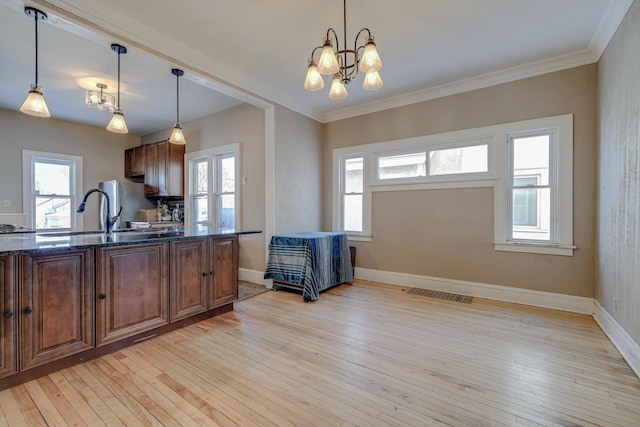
[344,64]
[100,100]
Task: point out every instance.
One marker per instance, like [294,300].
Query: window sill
[358,237]
[535,248]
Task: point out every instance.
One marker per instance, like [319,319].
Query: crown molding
[609,24]
[519,72]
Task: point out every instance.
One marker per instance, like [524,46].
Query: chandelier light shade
[35,105]
[344,64]
[338,89]
[314,79]
[99,100]
[117,123]
[177,136]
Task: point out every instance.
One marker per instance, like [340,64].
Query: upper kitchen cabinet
[164,169]
[134,162]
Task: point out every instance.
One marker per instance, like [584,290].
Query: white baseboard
[254,276]
[555,301]
[628,348]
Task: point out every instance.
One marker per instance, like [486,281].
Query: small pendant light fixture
[177,136]
[117,123]
[34,105]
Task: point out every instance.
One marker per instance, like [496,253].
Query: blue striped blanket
[314,261]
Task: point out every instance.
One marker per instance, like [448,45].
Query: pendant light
[177,136]
[117,123]
[34,105]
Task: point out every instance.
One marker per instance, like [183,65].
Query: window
[534,203]
[529,164]
[212,193]
[51,183]
[459,160]
[353,194]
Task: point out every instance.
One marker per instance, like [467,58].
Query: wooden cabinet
[151,169]
[164,169]
[56,306]
[189,277]
[8,343]
[134,162]
[204,275]
[224,280]
[131,287]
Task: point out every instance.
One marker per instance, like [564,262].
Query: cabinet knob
[28,310]
[211,273]
[102,296]
[204,274]
[8,314]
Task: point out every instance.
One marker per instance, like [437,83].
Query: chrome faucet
[109,220]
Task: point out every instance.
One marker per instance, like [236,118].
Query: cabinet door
[137,168]
[224,285]
[129,160]
[132,285]
[56,306]
[189,273]
[163,147]
[151,169]
[8,350]
[175,170]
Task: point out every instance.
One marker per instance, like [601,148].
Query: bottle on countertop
[177,213]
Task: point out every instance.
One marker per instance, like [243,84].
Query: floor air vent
[441,295]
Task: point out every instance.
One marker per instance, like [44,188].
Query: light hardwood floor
[366,354]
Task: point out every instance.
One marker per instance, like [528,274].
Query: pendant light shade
[372,81]
[35,105]
[177,136]
[370,61]
[117,123]
[328,63]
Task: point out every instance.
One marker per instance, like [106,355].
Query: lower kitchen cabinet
[204,275]
[8,346]
[131,286]
[56,306]
[224,281]
[189,277]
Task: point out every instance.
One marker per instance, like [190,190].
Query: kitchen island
[69,297]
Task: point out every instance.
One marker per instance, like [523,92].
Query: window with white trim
[51,185]
[212,191]
[529,164]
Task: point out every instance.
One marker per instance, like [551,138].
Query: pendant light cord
[177,98]
[345,32]
[119,78]
[35,18]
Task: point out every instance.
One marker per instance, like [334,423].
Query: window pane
[200,210]
[200,177]
[531,158]
[228,174]
[354,175]
[53,212]
[402,166]
[353,212]
[51,178]
[532,214]
[226,211]
[459,160]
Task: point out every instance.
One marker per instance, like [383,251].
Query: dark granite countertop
[20,243]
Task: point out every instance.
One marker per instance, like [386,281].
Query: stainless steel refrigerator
[129,195]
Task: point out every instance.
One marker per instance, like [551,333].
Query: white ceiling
[257,51]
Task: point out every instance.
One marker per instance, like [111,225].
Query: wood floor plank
[367,354]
